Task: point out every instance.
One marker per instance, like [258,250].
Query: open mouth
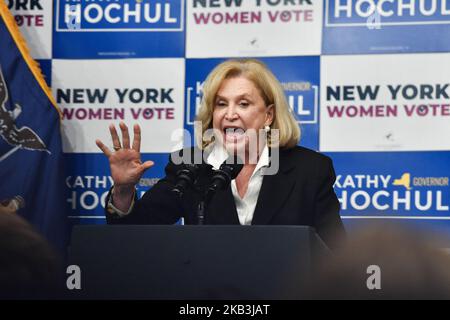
[233,133]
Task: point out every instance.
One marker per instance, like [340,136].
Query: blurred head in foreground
[29,268]
[385,263]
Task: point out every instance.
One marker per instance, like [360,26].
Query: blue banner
[119,29]
[381,26]
[409,185]
[88,182]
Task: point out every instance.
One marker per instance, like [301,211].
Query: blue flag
[31,174]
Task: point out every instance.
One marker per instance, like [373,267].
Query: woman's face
[240,113]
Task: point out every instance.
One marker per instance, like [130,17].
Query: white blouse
[245,206]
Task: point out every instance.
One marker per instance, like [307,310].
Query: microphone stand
[201,213]
[226,173]
[203,204]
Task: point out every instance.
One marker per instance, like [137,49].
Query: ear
[270,111]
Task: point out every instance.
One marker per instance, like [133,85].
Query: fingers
[147,164]
[104,148]
[137,138]
[125,135]
[114,136]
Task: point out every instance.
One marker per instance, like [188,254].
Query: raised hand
[125,161]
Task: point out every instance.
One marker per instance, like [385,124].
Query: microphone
[186,177]
[221,179]
[228,171]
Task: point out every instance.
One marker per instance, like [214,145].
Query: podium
[194,262]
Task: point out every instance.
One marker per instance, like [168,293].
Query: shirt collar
[218,155]
[263,160]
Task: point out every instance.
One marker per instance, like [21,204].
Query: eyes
[242,103]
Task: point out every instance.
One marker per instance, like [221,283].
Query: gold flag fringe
[11,24]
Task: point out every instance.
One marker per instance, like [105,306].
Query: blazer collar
[275,189]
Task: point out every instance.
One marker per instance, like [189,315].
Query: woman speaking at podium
[243,112]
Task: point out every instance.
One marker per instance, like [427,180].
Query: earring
[267,129]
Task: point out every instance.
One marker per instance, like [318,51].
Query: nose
[231,113]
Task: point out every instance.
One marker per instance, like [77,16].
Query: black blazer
[301,193]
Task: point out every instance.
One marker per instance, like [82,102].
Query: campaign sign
[408,185]
[385,103]
[299,76]
[95,93]
[88,181]
[119,29]
[385,26]
[34,17]
[234,28]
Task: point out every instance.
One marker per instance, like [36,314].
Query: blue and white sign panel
[119,29]
[88,182]
[386,26]
[406,186]
[92,94]
[299,77]
[258,28]
[385,102]
[36,24]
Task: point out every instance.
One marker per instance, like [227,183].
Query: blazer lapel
[222,209]
[275,189]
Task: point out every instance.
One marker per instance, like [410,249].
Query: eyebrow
[244,95]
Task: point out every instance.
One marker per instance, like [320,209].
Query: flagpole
[10,152]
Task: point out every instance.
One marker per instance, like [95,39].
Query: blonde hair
[270,90]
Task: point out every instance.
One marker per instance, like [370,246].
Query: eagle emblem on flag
[18,137]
